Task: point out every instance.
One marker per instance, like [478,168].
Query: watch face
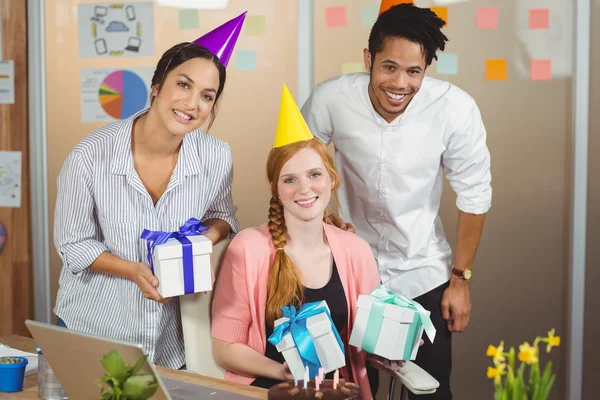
[467,274]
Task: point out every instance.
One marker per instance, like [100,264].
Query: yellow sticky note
[441,12]
[351,67]
[495,70]
[255,25]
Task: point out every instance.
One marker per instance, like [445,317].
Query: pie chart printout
[122,93]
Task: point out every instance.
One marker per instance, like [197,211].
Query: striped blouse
[102,205]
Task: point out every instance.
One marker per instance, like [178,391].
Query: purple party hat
[221,40]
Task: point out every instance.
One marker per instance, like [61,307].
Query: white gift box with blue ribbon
[180,260]
[308,338]
[390,325]
[169,268]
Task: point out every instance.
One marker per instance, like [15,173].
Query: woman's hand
[284,373]
[147,282]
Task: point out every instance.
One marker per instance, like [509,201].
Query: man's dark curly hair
[418,25]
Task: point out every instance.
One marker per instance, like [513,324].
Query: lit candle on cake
[336,378]
[317,382]
[306,377]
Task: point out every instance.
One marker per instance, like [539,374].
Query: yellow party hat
[291,127]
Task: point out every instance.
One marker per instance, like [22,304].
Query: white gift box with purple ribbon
[180,260]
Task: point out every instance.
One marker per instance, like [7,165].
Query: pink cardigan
[238,313]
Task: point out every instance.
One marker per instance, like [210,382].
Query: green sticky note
[255,25]
[447,64]
[188,19]
[368,15]
[245,60]
[350,67]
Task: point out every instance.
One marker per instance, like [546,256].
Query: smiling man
[395,131]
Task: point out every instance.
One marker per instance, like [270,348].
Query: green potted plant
[123,382]
[510,381]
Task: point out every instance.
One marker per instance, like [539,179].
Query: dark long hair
[181,53]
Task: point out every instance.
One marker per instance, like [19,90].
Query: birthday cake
[342,391]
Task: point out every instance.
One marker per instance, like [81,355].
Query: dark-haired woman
[153,170]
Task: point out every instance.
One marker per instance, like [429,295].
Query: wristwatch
[465,274]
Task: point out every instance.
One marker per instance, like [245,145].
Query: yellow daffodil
[497,353]
[553,341]
[528,354]
[496,373]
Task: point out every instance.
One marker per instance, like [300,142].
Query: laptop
[133,44]
[75,358]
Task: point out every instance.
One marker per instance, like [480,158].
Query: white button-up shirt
[392,173]
[102,205]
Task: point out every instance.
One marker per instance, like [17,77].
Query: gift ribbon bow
[296,325]
[192,227]
[382,297]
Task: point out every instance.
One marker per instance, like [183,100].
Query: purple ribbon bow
[193,227]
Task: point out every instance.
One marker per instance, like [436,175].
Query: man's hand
[456,305]
[336,221]
[383,363]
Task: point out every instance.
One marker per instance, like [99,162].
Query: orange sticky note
[387,4]
[335,16]
[541,70]
[487,18]
[441,12]
[495,70]
[539,18]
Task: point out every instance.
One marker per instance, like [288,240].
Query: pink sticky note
[541,70]
[539,18]
[487,18]
[335,16]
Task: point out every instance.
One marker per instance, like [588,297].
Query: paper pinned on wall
[188,19]
[7,82]
[541,70]
[109,94]
[245,60]
[255,25]
[495,70]
[335,17]
[10,179]
[447,64]
[441,12]
[368,15]
[487,17]
[108,30]
[539,18]
[351,67]
[387,4]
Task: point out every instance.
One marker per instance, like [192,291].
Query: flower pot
[12,374]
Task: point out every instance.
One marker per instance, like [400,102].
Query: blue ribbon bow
[296,325]
[193,227]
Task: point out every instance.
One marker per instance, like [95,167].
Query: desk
[30,386]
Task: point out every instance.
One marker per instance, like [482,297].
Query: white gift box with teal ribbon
[390,325]
[308,338]
[180,260]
